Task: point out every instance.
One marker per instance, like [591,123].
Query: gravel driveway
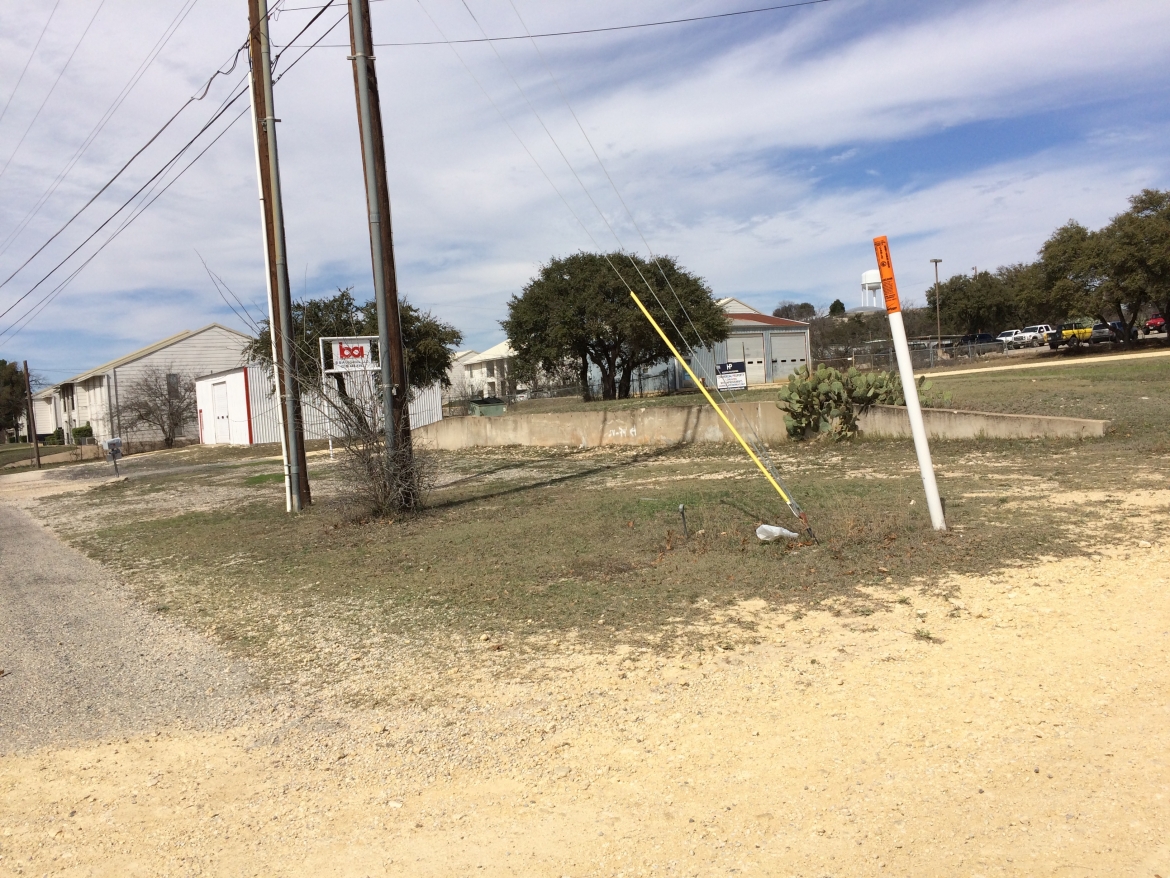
[82,660]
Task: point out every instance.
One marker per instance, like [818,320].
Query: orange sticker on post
[881,246]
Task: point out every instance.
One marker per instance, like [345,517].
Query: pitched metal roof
[766,320]
[149,349]
[502,351]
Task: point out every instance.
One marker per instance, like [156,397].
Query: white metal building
[771,349]
[93,397]
[240,407]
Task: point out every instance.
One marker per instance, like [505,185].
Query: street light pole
[937,317]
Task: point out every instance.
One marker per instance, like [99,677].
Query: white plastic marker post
[881,247]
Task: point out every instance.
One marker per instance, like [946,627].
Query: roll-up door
[788,354]
[749,349]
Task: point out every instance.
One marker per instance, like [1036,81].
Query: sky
[763,151]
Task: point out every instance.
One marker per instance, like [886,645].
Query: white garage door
[788,354]
[750,350]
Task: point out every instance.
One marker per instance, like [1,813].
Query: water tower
[871,285]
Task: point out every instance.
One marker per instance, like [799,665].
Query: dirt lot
[471,693]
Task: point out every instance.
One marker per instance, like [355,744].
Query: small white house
[240,407]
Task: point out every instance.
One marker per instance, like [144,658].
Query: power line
[114,178]
[32,55]
[757,442]
[590,30]
[197,97]
[52,88]
[151,56]
[14,328]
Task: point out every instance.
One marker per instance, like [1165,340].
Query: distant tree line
[1120,272]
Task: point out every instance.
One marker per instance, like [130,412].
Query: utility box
[488,407]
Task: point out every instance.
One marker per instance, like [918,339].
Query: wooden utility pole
[395,378]
[32,421]
[279,300]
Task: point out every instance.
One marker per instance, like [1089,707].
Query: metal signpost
[113,452]
[881,247]
[349,353]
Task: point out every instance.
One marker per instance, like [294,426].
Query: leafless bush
[385,482]
[159,399]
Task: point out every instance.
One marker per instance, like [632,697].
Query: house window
[172,386]
[491,370]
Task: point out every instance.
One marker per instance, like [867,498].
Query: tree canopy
[12,395]
[430,344]
[797,310]
[578,311]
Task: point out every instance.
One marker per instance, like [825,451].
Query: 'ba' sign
[352,355]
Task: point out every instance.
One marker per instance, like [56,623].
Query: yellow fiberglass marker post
[734,432]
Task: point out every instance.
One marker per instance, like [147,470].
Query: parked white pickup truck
[1008,338]
[1032,336]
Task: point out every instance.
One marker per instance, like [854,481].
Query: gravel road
[83,661]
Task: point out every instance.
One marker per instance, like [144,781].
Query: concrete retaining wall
[670,425]
[653,425]
[889,420]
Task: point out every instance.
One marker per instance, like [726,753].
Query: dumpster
[488,407]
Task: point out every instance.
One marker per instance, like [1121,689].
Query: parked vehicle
[1009,338]
[1034,336]
[1072,334]
[1119,331]
[1102,332]
[1157,323]
[978,338]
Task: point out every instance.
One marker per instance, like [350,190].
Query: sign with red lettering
[352,355]
[881,247]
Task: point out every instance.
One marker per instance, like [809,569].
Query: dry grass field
[541,675]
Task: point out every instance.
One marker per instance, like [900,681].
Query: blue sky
[765,151]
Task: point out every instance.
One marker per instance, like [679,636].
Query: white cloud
[699,126]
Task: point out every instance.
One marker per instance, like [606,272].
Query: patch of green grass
[264,479]
[16,451]
[1133,394]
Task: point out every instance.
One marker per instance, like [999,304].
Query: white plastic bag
[770,532]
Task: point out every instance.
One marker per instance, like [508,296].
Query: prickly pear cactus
[828,402]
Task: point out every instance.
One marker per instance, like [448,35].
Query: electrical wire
[216,280]
[32,55]
[758,446]
[52,88]
[14,328]
[119,99]
[113,179]
[197,97]
[589,30]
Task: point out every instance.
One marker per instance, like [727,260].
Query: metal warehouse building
[240,407]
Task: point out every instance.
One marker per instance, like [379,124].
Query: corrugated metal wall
[426,406]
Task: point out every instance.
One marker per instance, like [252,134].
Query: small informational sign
[731,376]
[881,247]
[352,355]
